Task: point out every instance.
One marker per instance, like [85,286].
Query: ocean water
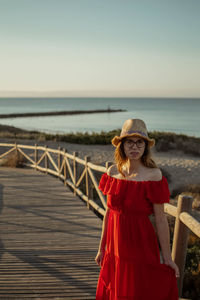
[179,115]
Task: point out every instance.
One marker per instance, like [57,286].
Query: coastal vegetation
[165,141]
[13,160]
[190,190]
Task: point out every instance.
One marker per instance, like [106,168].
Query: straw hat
[133,127]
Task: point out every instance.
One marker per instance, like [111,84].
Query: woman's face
[134,147]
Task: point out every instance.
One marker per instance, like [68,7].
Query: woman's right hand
[99,257]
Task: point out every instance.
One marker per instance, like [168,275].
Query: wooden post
[59,158]
[75,170]
[64,168]
[180,239]
[88,188]
[46,160]
[16,151]
[108,164]
[36,156]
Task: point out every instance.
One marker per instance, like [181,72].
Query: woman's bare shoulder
[154,174]
[112,170]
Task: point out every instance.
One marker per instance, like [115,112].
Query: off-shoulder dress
[131,267]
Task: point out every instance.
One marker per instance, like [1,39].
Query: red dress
[131,267]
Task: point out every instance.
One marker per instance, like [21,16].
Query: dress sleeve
[158,191]
[103,182]
[109,185]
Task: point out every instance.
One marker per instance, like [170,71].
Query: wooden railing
[74,172]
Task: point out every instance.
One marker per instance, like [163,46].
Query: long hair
[121,159]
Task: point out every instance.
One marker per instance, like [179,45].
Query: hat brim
[117,139]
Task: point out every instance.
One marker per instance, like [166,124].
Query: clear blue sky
[100,47]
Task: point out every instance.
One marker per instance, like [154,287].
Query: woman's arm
[100,254]
[102,243]
[162,227]
[162,231]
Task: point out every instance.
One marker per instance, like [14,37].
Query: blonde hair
[121,159]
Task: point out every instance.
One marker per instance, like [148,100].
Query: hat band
[132,131]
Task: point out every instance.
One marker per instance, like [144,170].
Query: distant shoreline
[59,113]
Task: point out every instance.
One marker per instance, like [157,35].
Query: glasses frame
[134,143]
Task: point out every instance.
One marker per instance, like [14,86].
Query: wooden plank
[70,171]
[190,222]
[8,152]
[81,178]
[26,156]
[41,158]
[170,209]
[101,196]
[49,239]
[7,145]
[53,162]
[85,198]
[26,146]
[96,168]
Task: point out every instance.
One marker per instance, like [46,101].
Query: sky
[147,48]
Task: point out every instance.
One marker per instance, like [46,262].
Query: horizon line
[103,97]
[92,94]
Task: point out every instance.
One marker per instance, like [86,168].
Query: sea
[178,115]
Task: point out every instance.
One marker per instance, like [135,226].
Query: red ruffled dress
[131,267]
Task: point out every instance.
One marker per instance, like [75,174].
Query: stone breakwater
[59,113]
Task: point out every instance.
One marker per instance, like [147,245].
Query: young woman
[132,265]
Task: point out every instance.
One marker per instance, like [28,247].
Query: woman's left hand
[172,264]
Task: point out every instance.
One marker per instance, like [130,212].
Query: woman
[129,256]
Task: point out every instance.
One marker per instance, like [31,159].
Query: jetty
[59,113]
[51,225]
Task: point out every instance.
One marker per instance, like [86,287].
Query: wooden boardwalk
[48,239]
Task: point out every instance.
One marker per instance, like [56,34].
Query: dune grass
[13,160]
[165,141]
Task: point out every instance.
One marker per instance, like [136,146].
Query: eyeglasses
[139,143]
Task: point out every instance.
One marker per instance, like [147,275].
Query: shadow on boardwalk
[49,239]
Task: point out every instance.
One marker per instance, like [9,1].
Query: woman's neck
[133,166]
